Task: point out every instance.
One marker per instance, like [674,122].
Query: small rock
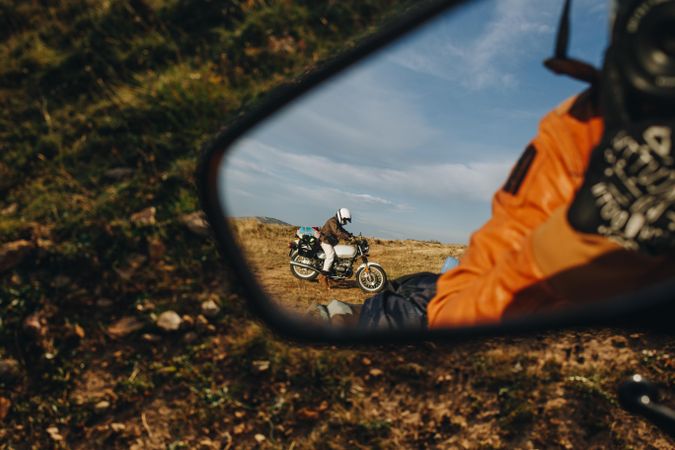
[117,427]
[190,337]
[152,338]
[443,379]
[145,306]
[9,370]
[169,321]
[196,222]
[118,173]
[210,309]
[5,404]
[261,365]
[9,210]
[102,406]
[259,438]
[125,326]
[53,433]
[145,217]
[33,325]
[14,253]
[79,331]
[188,321]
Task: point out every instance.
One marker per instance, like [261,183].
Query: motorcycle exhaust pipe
[304,266]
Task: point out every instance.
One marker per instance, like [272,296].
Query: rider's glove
[628,193]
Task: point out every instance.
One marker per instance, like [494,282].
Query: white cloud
[373,200]
[487,61]
[351,115]
[473,180]
[327,195]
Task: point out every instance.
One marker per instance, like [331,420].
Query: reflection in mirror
[414,141]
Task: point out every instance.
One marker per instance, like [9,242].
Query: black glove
[628,193]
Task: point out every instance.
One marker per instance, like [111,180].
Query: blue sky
[416,138]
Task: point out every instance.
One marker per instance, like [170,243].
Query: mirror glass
[414,140]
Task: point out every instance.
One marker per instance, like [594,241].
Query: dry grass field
[266,248]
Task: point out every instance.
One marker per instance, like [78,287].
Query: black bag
[309,245]
[402,304]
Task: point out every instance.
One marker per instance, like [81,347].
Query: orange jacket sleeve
[501,258]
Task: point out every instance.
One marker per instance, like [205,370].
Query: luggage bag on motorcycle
[308,240]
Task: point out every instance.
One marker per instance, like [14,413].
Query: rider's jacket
[527,257]
[332,232]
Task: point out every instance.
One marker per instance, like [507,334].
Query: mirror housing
[649,308]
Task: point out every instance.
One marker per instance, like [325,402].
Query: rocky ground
[122,327]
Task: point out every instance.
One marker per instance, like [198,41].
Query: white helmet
[343,216]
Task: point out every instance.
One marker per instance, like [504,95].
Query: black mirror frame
[651,308]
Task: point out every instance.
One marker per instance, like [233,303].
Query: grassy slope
[89,86]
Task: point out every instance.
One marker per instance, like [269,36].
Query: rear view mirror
[412,138]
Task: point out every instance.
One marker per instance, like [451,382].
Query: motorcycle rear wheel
[300,272]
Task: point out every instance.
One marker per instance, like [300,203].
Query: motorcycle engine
[342,266]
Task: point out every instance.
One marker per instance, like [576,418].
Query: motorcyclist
[330,234]
[587,213]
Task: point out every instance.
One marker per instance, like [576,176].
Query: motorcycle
[307,259]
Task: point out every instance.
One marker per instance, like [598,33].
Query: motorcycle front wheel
[301,272]
[371,280]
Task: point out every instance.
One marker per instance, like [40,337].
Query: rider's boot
[323,280]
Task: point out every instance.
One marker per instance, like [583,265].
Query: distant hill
[268,220]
